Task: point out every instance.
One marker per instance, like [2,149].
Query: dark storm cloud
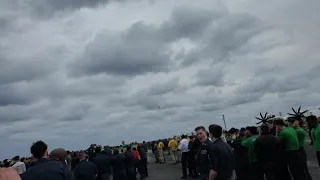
[11,95]
[138,65]
[47,8]
[135,51]
[12,71]
[186,22]
[76,113]
[225,37]
[12,115]
[142,48]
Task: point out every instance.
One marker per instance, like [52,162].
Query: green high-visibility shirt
[315,133]
[249,143]
[301,136]
[290,139]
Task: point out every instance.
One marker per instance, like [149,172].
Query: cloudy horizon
[74,73]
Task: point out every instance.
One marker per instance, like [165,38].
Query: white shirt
[20,167]
[183,145]
[223,137]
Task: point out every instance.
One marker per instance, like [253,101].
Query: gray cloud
[214,76]
[88,70]
[47,8]
[11,96]
[136,51]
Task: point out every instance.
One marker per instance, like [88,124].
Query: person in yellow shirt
[173,146]
[160,147]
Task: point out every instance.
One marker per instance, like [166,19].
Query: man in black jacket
[85,170]
[202,156]
[44,168]
[266,151]
[242,164]
[103,163]
[221,155]
[194,145]
[129,163]
[118,166]
[143,161]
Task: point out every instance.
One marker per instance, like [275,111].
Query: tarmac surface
[170,171]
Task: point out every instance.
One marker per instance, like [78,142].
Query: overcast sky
[76,72]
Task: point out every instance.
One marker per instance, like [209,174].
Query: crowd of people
[123,162]
[273,151]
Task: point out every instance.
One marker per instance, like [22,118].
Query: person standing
[296,124]
[183,147]
[266,149]
[221,162]
[193,149]
[249,143]
[160,147]
[315,133]
[173,146]
[60,155]
[129,163]
[44,168]
[19,165]
[143,161]
[85,170]
[103,163]
[288,136]
[69,159]
[242,163]
[118,166]
[137,165]
[202,156]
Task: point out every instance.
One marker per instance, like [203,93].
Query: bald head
[58,154]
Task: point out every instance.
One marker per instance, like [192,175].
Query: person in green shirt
[288,136]
[123,145]
[295,123]
[249,142]
[315,133]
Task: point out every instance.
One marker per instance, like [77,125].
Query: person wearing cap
[288,136]
[85,170]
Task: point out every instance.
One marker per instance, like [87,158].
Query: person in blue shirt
[44,168]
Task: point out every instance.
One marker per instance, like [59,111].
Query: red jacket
[135,154]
